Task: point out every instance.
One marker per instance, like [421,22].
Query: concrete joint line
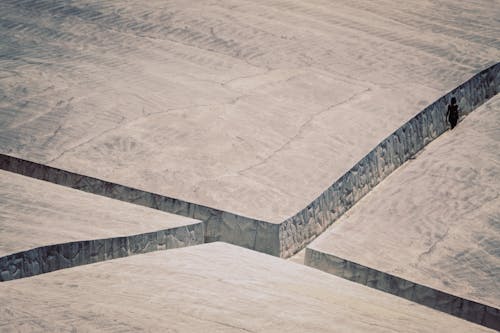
[293,234]
[472,311]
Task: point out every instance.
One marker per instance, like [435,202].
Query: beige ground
[254,107]
[35,213]
[209,288]
[436,220]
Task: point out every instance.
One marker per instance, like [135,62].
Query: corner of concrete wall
[298,230]
[219,225]
[235,229]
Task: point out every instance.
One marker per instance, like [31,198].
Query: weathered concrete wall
[297,231]
[219,225]
[457,306]
[50,258]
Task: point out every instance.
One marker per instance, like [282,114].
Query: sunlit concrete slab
[186,290]
[39,221]
[434,222]
[249,107]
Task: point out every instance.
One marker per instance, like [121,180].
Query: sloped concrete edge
[219,225]
[475,312]
[297,231]
[50,258]
[293,234]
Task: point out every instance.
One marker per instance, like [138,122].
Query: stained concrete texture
[286,238]
[34,213]
[209,288]
[46,227]
[254,108]
[436,220]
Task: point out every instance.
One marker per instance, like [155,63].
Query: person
[452,113]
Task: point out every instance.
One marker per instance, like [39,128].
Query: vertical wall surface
[219,225]
[457,306]
[50,258]
[297,231]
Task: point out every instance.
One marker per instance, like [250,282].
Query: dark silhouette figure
[452,113]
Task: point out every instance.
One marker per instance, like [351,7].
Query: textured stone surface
[253,109]
[387,156]
[187,290]
[45,227]
[475,312]
[218,225]
[249,107]
[435,222]
[293,234]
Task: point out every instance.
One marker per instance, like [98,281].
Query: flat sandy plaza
[240,116]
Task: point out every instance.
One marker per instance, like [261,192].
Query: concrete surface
[218,225]
[434,221]
[35,215]
[209,288]
[457,306]
[250,107]
[397,148]
[288,237]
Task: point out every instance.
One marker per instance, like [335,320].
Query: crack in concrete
[52,136]
[301,128]
[433,246]
[225,83]
[228,325]
[144,114]
[85,142]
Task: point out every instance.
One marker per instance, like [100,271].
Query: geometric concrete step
[45,227]
[213,287]
[287,237]
[430,232]
[252,110]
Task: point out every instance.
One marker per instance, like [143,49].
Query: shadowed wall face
[431,227]
[227,104]
[46,227]
[293,234]
[388,155]
[455,305]
[239,290]
[249,109]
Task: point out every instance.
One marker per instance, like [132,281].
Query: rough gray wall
[219,225]
[50,258]
[297,231]
[457,306]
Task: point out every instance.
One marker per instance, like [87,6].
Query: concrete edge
[49,258]
[293,234]
[297,231]
[219,225]
[472,311]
